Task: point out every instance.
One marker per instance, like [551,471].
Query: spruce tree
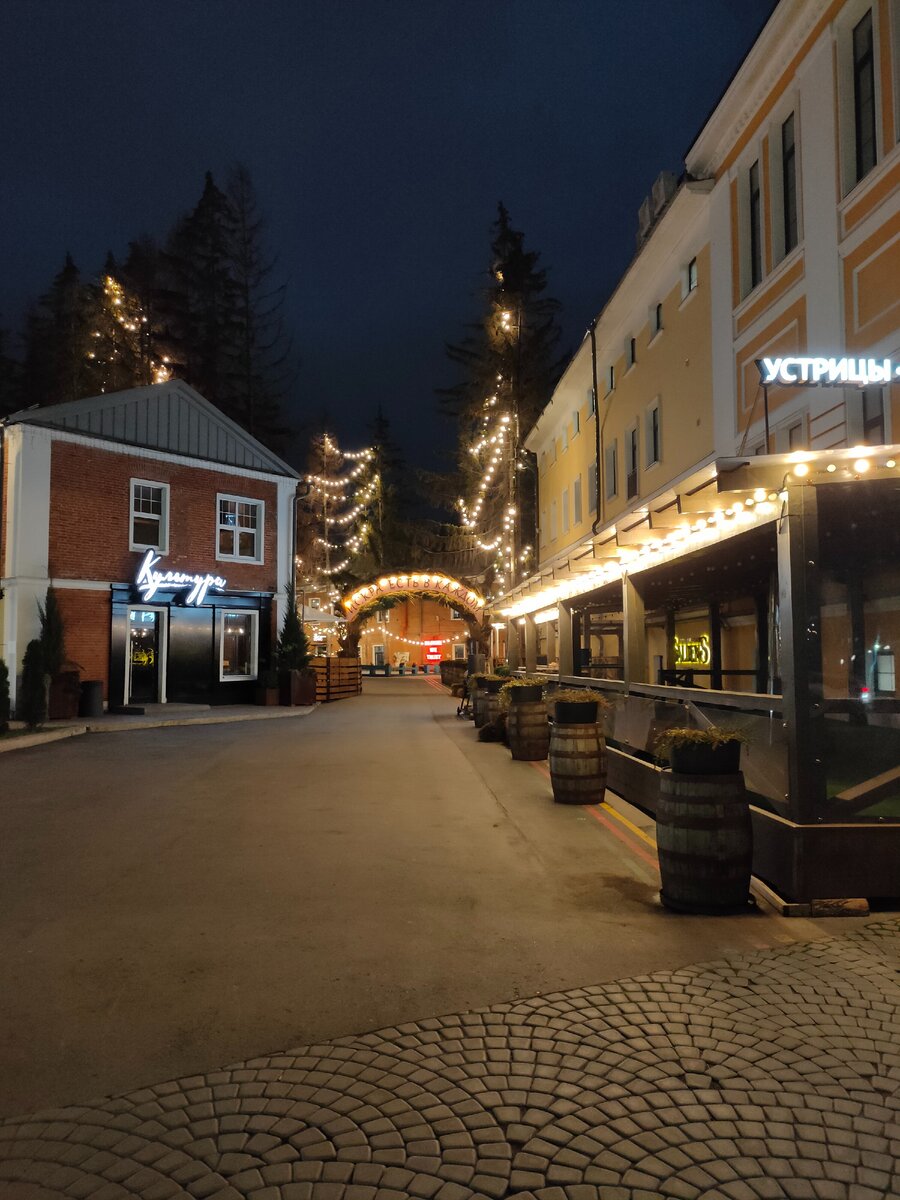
[510,363]
[53,634]
[293,645]
[32,701]
[57,341]
[4,697]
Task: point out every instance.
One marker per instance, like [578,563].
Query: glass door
[143,656]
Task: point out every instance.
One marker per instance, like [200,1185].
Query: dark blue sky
[380,135]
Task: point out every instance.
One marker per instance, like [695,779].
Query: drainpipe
[597,430]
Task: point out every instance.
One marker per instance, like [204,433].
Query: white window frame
[655,407]
[790,105]
[254,623]
[459,652]
[163,547]
[375,648]
[455,614]
[686,289]
[259,557]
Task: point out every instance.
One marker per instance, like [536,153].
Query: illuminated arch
[415,583]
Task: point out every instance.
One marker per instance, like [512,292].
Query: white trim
[162,628]
[163,546]
[90,585]
[254,621]
[260,557]
[125,448]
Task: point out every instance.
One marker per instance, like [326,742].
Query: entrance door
[378,656]
[143,655]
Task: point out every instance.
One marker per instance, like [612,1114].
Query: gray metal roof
[162,416]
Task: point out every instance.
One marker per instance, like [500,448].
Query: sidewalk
[772,1074]
[156,716]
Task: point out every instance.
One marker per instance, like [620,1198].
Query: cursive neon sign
[692,652]
[826,372]
[149,581]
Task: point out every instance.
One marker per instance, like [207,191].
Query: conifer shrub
[32,705]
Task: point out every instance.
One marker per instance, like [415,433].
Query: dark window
[632,351]
[873,416]
[795,436]
[789,183]
[657,318]
[864,96]
[755,227]
[592,402]
[238,646]
[653,437]
[692,275]
[632,461]
[148,516]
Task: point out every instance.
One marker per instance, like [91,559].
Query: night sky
[380,135]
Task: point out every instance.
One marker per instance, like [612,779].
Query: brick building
[165,530]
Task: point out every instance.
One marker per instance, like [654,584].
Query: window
[873,416]
[459,651]
[789,184]
[885,674]
[576,502]
[238,650]
[864,96]
[631,462]
[378,655]
[240,528]
[149,515]
[565,437]
[795,436]
[656,320]
[610,469]
[692,276]
[455,614]
[592,402]
[576,423]
[592,487]
[565,510]
[553,521]
[631,352]
[755,214]
[653,442]
[610,378]
[381,615]
[315,602]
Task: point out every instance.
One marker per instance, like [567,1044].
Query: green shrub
[32,706]
[53,634]
[713,735]
[293,652]
[4,697]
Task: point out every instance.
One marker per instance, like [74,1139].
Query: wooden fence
[337,678]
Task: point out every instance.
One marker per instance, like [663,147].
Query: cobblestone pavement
[771,1074]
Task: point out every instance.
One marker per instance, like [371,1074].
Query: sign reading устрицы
[826,372]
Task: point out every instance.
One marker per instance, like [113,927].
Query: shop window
[611,469]
[654,446]
[240,529]
[864,96]
[631,463]
[149,516]
[592,487]
[789,184]
[873,416]
[576,501]
[239,646]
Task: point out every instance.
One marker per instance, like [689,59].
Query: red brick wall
[86,618]
[89,515]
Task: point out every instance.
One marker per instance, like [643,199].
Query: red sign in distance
[432,651]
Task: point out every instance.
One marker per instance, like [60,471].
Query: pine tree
[510,362]
[391,531]
[53,635]
[260,366]
[118,357]
[293,645]
[57,341]
[11,378]
[32,699]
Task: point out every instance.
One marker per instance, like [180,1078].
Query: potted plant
[710,751]
[577,706]
[522,690]
[527,729]
[493,683]
[296,679]
[267,692]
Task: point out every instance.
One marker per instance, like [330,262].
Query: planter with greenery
[31,706]
[577,706]
[296,679]
[527,728]
[4,697]
[710,751]
[267,691]
[493,683]
[63,678]
[522,690]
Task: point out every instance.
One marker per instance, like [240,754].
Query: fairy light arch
[361,602]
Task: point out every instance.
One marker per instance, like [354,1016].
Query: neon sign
[692,652]
[826,372]
[149,581]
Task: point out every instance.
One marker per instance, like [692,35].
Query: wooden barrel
[528,731]
[479,707]
[492,707]
[705,842]
[577,764]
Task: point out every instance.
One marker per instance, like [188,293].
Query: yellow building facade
[717,468]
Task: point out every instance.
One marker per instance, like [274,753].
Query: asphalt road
[177,899]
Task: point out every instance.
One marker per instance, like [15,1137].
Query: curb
[224,720]
[27,740]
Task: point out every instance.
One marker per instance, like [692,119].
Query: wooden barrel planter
[492,707]
[577,763]
[479,707]
[527,730]
[705,843]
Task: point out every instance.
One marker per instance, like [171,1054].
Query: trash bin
[415,670]
[91,701]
